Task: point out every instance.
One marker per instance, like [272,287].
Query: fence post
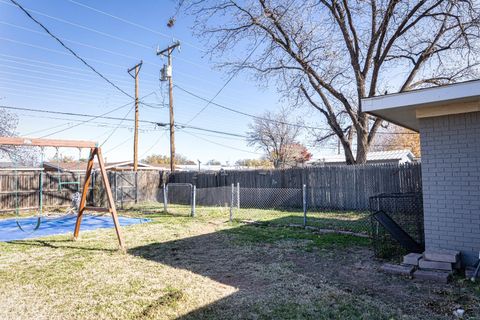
[165,198]
[238,195]
[194,192]
[40,193]
[122,193]
[115,180]
[304,202]
[92,180]
[231,202]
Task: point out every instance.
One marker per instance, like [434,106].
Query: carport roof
[405,108]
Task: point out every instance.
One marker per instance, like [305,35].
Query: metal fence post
[238,195]
[94,176]
[231,202]
[304,201]
[115,181]
[40,193]
[165,198]
[194,192]
[122,193]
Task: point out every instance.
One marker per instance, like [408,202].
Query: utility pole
[136,68]
[167,74]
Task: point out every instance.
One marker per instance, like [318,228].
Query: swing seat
[37,225]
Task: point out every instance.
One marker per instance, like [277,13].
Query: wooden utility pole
[136,68]
[167,74]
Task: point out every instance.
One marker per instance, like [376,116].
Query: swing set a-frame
[95,151]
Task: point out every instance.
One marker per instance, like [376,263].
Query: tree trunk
[362,147]
[347,149]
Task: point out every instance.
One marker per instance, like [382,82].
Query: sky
[38,73]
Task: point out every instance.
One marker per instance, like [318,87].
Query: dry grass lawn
[207,268]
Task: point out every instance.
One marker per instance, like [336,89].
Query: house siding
[451,183]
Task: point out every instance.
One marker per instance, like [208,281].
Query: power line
[70,50]
[102,33]
[95,124]
[57,66]
[182,126]
[219,136]
[151,105]
[68,90]
[36,78]
[118,145]
[84,27]
[68,40]
[223,87]
[155,143]
[118,125]
[236,71]
[245,113]
[46,129]
[102,116]
[132,23]
[263,118]
[81,44]
[85,121]
[51,96]
[221,144]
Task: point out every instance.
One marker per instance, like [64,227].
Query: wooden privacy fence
[329,187]
[22,189]
[339,187]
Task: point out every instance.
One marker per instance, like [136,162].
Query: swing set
[95,151]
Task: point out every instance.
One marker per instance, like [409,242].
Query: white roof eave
[400,108]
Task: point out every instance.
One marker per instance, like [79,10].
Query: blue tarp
[9,230]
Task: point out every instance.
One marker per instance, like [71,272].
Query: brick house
[448,119]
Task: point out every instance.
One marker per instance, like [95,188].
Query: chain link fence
[304,207]
[278,206]
[400,222]
[295,206]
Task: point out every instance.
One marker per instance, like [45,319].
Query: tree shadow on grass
[267,267]
[287,273]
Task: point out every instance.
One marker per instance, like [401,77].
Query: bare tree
[274,135]
[20,155]
[330,54]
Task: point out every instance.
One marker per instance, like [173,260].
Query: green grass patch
[269,234]
[334,220]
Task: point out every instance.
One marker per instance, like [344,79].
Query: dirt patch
[356,271]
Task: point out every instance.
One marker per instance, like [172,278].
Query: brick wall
[451,183]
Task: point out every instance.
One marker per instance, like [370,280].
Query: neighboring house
[393,157]
[206,167]
[128,166]
[111,166]
[448,119]
[10,166]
